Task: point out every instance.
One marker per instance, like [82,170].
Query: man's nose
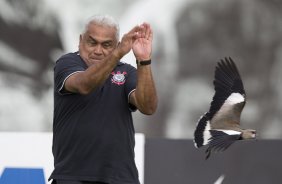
[98,49]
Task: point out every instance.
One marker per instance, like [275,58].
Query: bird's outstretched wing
[217,127]
[229,98]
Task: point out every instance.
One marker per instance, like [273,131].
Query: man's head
[98,39]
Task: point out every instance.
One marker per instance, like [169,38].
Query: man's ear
[80,40]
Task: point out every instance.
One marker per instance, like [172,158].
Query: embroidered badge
[118,78]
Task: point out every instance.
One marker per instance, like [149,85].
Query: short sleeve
[64,68]
[130,84]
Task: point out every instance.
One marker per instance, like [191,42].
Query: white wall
[34,150]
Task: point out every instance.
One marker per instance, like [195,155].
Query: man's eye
[107,45]
[91,42]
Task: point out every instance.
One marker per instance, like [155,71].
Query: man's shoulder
[71,55]
[71,58]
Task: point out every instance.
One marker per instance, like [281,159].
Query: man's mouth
[96,59]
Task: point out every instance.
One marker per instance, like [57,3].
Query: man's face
[97,43]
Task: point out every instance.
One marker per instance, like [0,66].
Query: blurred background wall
[190,36]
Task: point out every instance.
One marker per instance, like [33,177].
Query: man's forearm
[96,74]
[145,94]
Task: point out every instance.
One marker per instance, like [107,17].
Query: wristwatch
[145,62]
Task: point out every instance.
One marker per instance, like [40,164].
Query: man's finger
[134,33]
[134,30]
[148,31]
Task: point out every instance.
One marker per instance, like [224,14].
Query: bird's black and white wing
[217,128]
[229,98]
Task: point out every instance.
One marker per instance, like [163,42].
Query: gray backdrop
[190,36]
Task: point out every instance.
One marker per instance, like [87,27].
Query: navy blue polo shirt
[93,135]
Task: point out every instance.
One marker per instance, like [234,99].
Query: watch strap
[145,62]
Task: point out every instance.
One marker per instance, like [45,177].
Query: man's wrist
[143,62]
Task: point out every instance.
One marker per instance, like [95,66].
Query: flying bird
[220,126]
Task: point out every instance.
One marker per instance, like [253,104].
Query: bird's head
[249,134]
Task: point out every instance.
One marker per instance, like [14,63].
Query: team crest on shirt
[118,78]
